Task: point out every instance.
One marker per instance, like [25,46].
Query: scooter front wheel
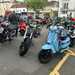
[45,56]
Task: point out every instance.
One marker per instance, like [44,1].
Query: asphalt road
[12,64]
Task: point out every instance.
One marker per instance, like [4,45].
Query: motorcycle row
[7,32]
[60,38]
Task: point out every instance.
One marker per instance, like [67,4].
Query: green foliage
[20,0]
[37,4]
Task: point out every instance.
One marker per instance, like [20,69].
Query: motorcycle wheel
[35,35]
[24,47]
[45,56]
[22,50]
[72,42]
[22,32]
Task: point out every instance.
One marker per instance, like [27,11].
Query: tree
[34,4]
[20,1]
[37,4]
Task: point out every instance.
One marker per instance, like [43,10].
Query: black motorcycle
[7,33]
[37,30]
[26,43]
[72,35]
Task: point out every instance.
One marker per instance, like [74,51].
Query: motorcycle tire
[22,33]
[24,47]
[72,42]
[35,35]
[45,56]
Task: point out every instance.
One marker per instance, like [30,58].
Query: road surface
[12,64]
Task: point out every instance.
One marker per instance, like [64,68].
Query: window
[65,5]
[65,8]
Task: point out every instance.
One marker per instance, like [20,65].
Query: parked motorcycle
[70,26]
[7,33]
[57,42]
[72,35]
[27,41]
[22,27]
[37,30]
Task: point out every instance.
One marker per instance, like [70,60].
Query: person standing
[14,20]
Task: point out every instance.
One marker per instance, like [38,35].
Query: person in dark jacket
[14,20]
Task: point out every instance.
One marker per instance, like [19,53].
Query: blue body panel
[53,42]
[47,47]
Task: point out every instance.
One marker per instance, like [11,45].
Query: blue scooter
[57,42]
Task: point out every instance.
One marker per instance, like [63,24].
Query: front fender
[48,47]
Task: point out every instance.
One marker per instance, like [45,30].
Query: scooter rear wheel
[45,56]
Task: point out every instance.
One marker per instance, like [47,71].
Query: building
[72,7]
[51,8]
[5,5]
[12,5]
[66,7]
[19,7]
